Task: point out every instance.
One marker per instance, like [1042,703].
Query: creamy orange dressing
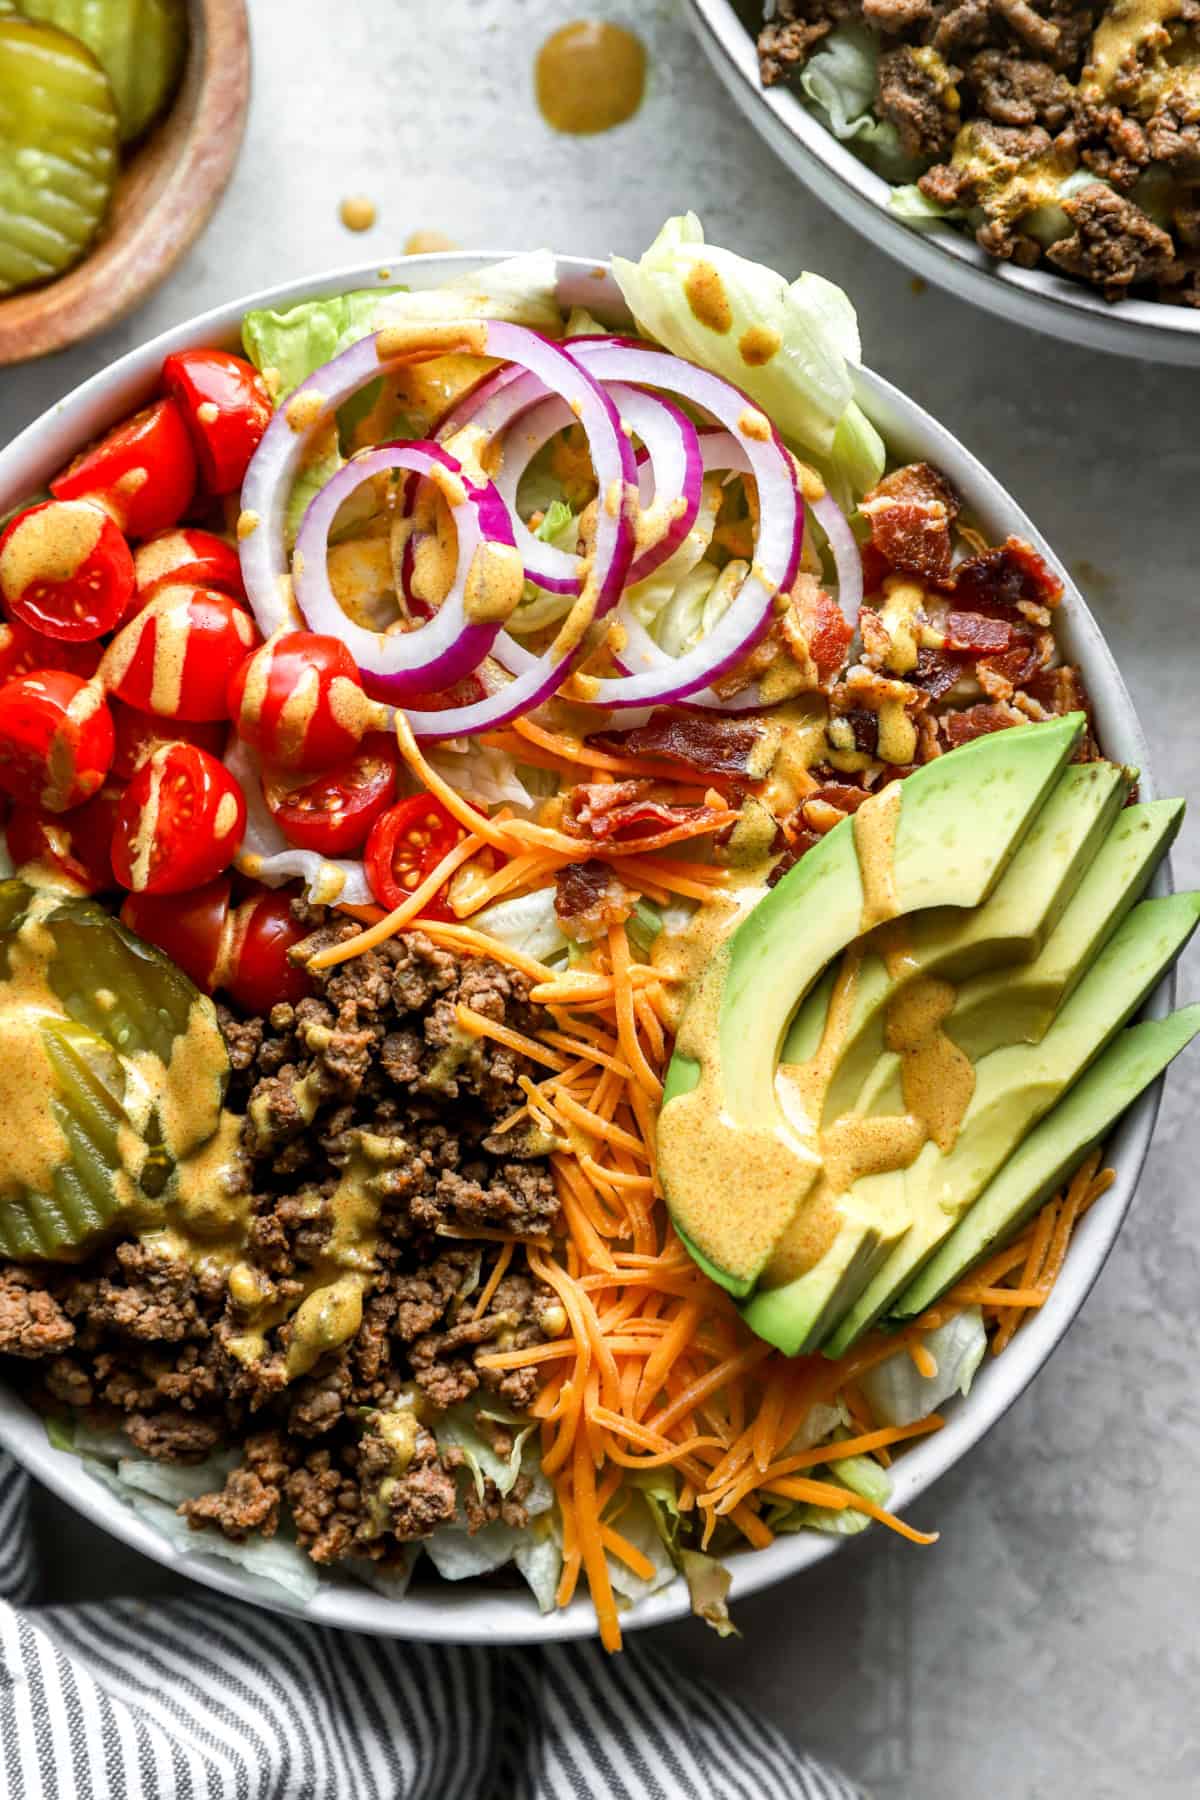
[875,845]
[589,76]
[50,545]
[937,1077]
[494,585]
[705,294]
[758,344]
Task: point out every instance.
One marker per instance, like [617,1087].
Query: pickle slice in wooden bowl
[59,137]
[140,45]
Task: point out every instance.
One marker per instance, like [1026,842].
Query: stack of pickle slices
[79,81]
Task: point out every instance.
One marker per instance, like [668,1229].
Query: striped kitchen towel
[205,1699]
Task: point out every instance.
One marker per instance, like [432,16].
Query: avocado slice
[1015,1087]
[1053,1151]
[943,837]
[1013,926]
[1006,1006]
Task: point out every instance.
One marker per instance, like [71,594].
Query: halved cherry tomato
[175,659]
[23,652]
[242,950]
[200,558]
[179,823]
[227,407]
[262,973]
[332,812]
[56,739]
[75,846]
[140,734]
[143,473]
[189,928]
[299,702]
[65,570]
[406,844]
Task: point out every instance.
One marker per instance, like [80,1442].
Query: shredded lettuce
[916,208]
[708,1583]
[528,923]
[840,80]
[637,1524]
[522,290]
[643,926]
[483,773]
[805,385]
[459,1429]
[539,608]
[539,1558]
[266,855]
[295,343]
[277,1560]
[899,1394]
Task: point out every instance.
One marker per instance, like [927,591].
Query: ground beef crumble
[140,1338]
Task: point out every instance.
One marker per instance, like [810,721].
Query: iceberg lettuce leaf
[899,1394]
[804,386]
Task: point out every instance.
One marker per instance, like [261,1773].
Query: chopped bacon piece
[622,812]
[993,582]
[828,631]
[1019,662]
[914,535]
[588,898]
[711,745]
[934,674]
[875,567]
[974,634]
[1061,691]
[847,799]
[917,482]
[977,721]
[864,724]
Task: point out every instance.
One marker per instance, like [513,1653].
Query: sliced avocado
[943,837]
[1007,1006]
[1013,926]
[1053,1151]
[1015,1087]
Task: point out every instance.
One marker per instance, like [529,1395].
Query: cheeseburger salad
[399,713]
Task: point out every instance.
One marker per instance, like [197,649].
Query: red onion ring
[545,367]
[450,644]
[673,461]
[780,528]
[847,557]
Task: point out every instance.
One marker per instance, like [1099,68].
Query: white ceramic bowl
[943,254]
[473,1613]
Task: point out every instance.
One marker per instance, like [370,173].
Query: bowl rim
[467,1612]
[944,255]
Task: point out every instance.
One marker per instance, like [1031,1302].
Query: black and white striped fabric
[205,1699]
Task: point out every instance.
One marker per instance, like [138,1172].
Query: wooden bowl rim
[117,274]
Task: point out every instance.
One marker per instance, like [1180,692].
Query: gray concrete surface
[1047,1646]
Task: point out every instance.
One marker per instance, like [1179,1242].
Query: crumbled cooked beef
[1014,91]
[369,1088]
[32,1323]
[915,91]
[1114,245]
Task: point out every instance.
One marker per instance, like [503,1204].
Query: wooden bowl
[166,193]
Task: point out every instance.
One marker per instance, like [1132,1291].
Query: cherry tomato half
[242,950]
[75,846]
[227,408]
[140,734]
[143,473]
[65,570]
[299,702]
[175,659]
[200,558]
[23,652]
[406,844]
[262,973]
[56,739]
[189,928]
[332,812]
[180,822]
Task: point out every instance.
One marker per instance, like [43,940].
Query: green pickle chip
[112,1072]
[140,45]
[58,151]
